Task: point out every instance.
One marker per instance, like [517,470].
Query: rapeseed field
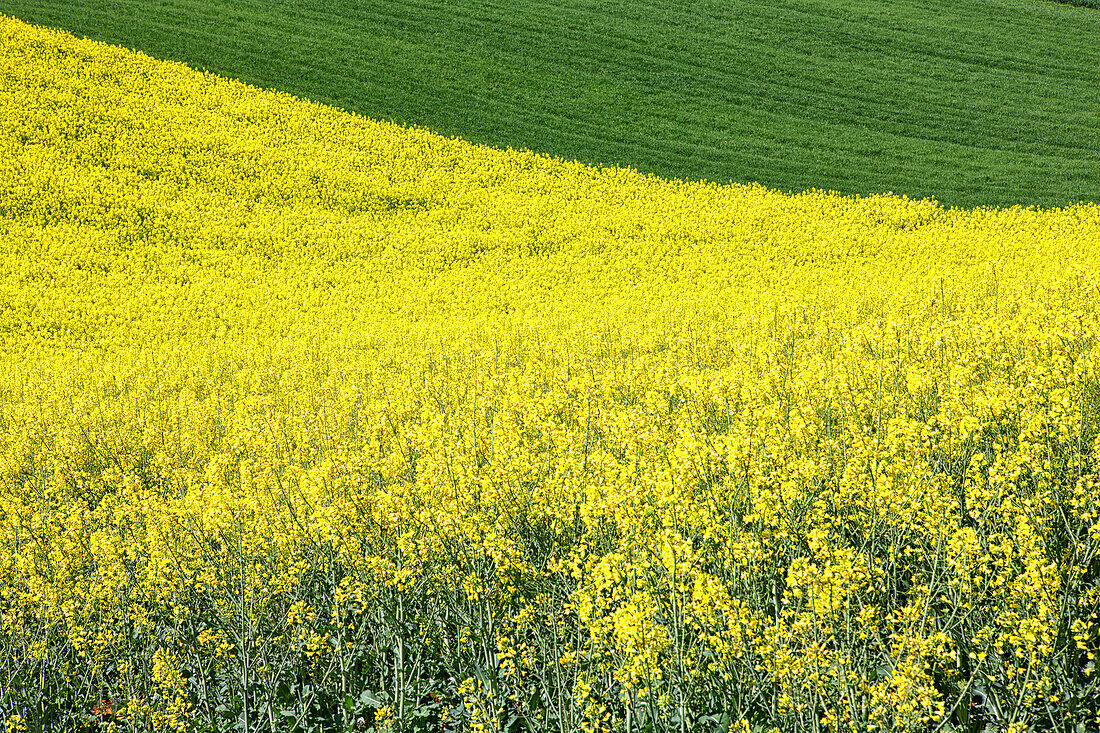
[313,422]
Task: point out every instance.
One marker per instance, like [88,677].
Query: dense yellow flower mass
[309,421]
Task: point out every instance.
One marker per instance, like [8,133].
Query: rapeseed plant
[316,422]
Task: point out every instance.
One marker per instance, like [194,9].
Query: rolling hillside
[978,103]
[315,422]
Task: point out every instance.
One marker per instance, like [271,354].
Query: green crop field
[989,102]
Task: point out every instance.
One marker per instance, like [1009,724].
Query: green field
[988,102]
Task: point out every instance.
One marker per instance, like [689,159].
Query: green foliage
[1080,3]
[976,103]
